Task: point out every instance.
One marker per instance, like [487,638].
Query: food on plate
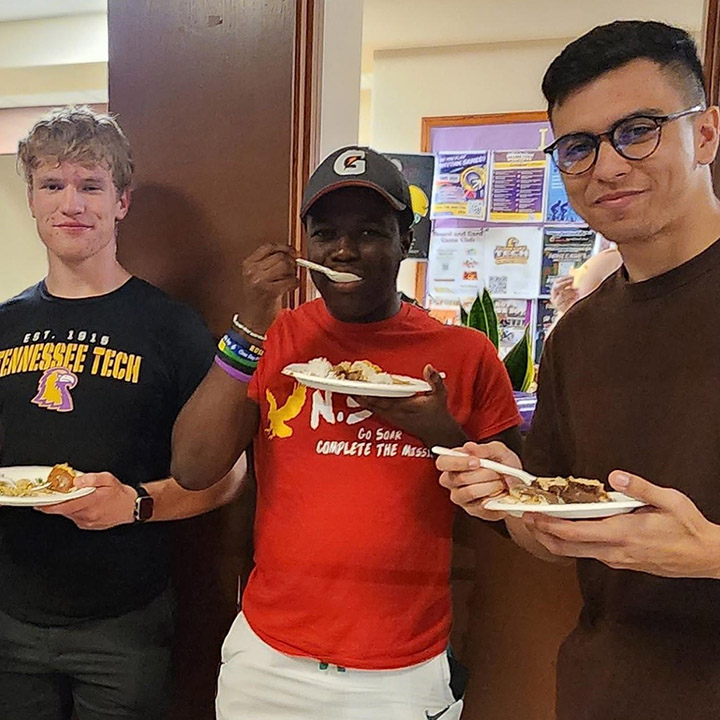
[59,479]
[21,488]
[559,491]
[358,371]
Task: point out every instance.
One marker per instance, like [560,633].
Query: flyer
[517,189]
[513,257]
[460,185]
[544,321]
[563,250]
[557,208]
[513,316]
[419,171]
[455,263]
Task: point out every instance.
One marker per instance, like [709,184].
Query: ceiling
[29,9]
[395,24]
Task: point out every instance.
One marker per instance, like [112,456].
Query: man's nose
[610,164]
[345,245]
[71,201]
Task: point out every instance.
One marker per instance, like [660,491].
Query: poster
[517,190]
[513,316]
[419,171]
[455,264]
[544,321]
[460,185]
[563,249]
[513,257]
[558,209]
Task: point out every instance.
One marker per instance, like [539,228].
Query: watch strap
[144,502]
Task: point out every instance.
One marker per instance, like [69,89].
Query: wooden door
[216,99]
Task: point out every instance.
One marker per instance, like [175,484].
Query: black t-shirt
[97,383]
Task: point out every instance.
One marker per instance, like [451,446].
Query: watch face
[143,508]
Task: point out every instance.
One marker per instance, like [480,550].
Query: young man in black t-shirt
[94,367]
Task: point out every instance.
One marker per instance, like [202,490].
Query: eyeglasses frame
[661,120]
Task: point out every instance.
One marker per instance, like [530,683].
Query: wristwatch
[144,504]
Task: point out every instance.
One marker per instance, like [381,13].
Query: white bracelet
[239,326]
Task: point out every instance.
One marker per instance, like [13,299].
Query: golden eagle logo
[53,390]
[279,417]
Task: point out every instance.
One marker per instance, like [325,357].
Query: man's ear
[709,127]
[123,204]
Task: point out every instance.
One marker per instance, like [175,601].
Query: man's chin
[345,307]
[623,230]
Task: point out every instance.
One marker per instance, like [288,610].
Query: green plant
[518,361]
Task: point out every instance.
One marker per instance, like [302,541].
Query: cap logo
[351,162]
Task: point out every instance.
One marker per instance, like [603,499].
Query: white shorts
[259,683]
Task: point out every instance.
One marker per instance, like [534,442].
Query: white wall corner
[341,74]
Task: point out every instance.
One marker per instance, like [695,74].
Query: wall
[22,256]
[69,40]
[340,95]
[411,84]
[429,23]
[43,62]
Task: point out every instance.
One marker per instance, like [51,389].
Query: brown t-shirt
[630,379]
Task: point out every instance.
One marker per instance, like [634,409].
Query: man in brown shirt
[628,382]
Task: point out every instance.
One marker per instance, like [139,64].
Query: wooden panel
[712,67]
[512,611]
[204,89]
[217,98]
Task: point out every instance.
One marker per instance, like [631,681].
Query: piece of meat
[61,478]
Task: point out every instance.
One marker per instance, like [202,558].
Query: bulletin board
[500,219]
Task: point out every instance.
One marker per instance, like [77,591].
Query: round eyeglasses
[634,138]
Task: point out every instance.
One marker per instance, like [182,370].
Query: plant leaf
[530,369]
[477,318]
[517,362]
[464,317]
[492,318]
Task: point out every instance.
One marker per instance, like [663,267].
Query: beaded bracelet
[232,372]
[247,330]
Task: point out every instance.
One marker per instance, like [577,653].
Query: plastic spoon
[335,275]
[521,475]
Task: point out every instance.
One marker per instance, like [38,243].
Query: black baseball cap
[354,166]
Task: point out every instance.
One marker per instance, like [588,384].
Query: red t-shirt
[353,532]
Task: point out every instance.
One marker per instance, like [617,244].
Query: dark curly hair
[608,47]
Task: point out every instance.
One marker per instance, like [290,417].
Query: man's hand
[267,275]
[425,416]
[670,538]
[111,504]
[563,294]
[470,485]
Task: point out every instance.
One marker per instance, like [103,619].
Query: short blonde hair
[77,134]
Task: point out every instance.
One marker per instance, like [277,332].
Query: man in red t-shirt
[347,612]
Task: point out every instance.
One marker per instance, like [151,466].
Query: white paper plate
[410,386]
[573,511]
[31,472]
